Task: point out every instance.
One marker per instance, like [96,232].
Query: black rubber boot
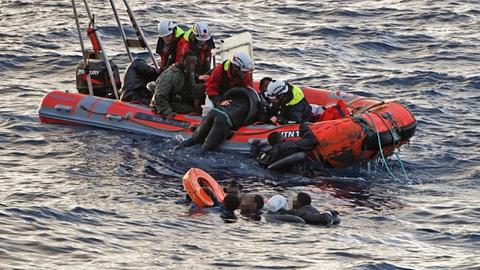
[187,143]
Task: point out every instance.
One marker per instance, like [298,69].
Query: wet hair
[231,202]
[258,199]
[233,188]
[263,81]
[274,138]
[303,199]
[189,53]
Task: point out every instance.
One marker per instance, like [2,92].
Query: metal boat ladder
[98,49]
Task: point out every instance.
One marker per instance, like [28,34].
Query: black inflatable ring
[252,98]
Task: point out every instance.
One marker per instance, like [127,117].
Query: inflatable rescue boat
[371,127]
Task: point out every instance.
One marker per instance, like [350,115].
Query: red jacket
[204,54]
[182,49]
[165,54]
[339,110]
[220,80]
[170,56]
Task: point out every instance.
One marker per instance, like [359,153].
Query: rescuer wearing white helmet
[230,111]
[199,40]
[230,73]
[168,45]
[290,101]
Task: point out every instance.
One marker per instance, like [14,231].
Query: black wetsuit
[219,123]
[282,216]
[137,75]
[312,216]
[286,148]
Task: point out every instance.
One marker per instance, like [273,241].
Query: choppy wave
[77,197]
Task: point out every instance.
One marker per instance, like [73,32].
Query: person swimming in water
[276,211]
[251,206]
[302,207]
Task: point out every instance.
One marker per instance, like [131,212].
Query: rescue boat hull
[374,124]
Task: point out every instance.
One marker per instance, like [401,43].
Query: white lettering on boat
[290,134]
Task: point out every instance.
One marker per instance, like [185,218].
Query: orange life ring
[196,192]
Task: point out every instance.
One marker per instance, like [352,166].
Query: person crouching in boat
[290,103]
[287,155]
[137,75]
[176,91]
[236,72]
[168,43]
[199,40]
[229,113]
[302,207]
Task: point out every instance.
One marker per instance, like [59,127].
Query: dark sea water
[86,198]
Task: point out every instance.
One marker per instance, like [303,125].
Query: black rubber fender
[288,161]
[253,99]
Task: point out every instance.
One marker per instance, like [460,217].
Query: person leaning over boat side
[137,75]
[282,148]
[198,40]
[229,114]
[265,102]
[219,124]
[175,90]
[302,207]
[231,73]
[291,103]
[168,44]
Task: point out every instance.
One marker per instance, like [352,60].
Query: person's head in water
[276,203]
[303,199]
[241,64]
[231,203]
[264,84]
[189,61]
[251,204]
[274,138]
[259,202]
[233,188]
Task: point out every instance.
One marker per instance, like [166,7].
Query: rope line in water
[397,154]
[380,147]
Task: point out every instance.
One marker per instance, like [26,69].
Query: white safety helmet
[243,61]
[165,28]
[201,31]
[276,203]
[276,88]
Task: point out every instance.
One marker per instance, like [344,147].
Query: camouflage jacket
[173,86]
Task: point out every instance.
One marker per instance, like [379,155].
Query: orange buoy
[191,182]
[93,39]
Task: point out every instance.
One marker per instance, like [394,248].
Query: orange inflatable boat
[372,126]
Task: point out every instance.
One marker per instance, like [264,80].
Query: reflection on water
[76,197]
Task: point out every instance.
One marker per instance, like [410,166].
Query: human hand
[171,115]
[273,119]
[203,77]
[226,102]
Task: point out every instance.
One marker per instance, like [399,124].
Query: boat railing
[99,51]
